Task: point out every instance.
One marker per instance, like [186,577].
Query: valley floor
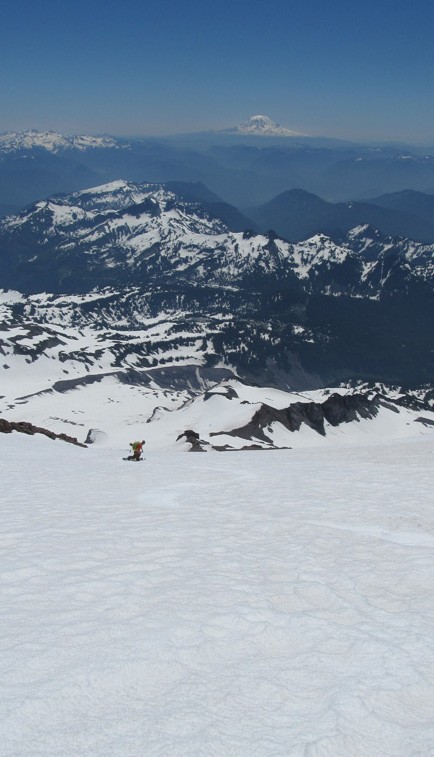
[257,604]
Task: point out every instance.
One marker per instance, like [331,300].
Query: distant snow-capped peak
[52,141]
[262,126]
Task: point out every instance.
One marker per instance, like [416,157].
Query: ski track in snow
[267,604]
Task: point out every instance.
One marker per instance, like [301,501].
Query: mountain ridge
[242,169]
[150,283]
[143,233]
[297,214]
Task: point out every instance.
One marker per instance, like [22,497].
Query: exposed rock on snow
[95,436]
[425,421]
[335,410]
[230,414]
[192,438]
[23,427]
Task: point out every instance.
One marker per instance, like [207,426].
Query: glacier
[245,604]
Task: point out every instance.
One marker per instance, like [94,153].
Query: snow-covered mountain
[261,126]
[144,234]
[53,142]
[273,603]
[128,296]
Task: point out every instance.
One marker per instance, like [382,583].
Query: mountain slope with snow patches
[144,234]
[52,141]
[157,383]
[135,288]
[232,416]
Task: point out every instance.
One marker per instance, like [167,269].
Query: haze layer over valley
[246,165]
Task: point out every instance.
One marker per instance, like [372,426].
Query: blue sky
[340,68]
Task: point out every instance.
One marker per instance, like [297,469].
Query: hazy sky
[358,70]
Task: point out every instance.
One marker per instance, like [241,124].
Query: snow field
[253,603]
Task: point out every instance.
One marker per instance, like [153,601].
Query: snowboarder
[137,450]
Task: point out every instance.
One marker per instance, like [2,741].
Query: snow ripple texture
[263,604]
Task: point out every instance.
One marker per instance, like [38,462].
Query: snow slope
[160,404]
[224,605]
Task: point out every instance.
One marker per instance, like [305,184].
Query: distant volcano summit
[261,126]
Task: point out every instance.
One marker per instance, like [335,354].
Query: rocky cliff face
[280,422]
[335,410]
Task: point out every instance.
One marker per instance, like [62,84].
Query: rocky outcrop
[335,410]
[6,427]
[95,436]
[192,437]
